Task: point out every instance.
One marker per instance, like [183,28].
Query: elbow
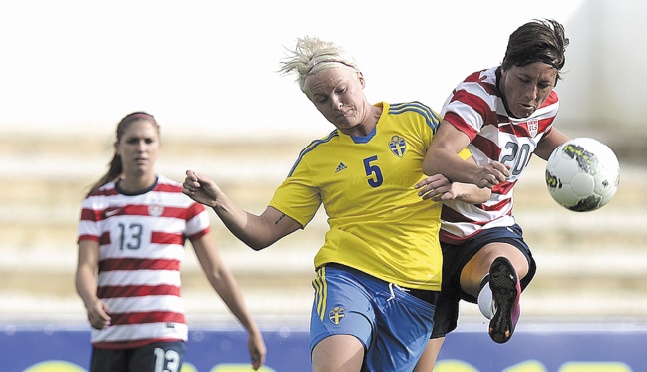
[428,168]
[430,164]
[258,246]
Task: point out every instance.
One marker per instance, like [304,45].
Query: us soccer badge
[155,210]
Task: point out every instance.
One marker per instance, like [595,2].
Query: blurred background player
[133,226]
[375,294]
[503,114]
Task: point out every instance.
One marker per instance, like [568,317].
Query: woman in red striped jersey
[503,115]
[131,237]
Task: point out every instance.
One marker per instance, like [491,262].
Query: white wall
[605,69]
[210,67]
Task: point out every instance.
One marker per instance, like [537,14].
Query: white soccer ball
[582,174]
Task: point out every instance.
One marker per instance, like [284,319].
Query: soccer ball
[582,174]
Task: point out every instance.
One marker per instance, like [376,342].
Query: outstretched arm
[223,281]
[256,231]
[550,142]
[438,188]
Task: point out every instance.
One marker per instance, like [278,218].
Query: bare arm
[549,143]
[256,231]
[86,284]
[442,158]
[468,193]
[223,281]
[439,188]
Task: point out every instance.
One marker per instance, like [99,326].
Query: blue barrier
[616,349]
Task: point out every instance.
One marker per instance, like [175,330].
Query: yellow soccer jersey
[378,223]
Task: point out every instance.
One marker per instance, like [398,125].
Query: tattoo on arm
[279,219]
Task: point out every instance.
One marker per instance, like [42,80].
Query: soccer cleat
[505,293]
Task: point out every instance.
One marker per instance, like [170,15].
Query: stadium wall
[585,348]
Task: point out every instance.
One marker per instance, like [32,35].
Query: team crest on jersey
[533,127]
[398,145]
[336,315]
[155,210]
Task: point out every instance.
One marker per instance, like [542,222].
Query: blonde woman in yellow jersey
[379,269]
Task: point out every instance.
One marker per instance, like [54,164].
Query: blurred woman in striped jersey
[131,236]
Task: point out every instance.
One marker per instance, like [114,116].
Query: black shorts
[167,355]
[455,257]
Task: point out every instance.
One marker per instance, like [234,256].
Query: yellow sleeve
[465,153]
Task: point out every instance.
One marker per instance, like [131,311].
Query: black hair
[537,41]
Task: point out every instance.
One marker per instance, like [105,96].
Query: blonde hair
[312,55]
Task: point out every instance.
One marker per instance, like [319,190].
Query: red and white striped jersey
[476,108]
[141,246]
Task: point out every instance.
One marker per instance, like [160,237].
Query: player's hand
[98,315]
[491,174]
[200,188]
[257,349]
[433,187]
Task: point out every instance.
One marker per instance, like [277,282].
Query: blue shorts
[455,257]
[148,358]
[393,324]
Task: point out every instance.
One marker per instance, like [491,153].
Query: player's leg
[492,276]
[427,362]
[505,292]
[404,325]
[338,353]
[447,307]
[342,320]
[479,266]
[445,320]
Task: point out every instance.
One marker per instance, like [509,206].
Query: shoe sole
[503,283]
